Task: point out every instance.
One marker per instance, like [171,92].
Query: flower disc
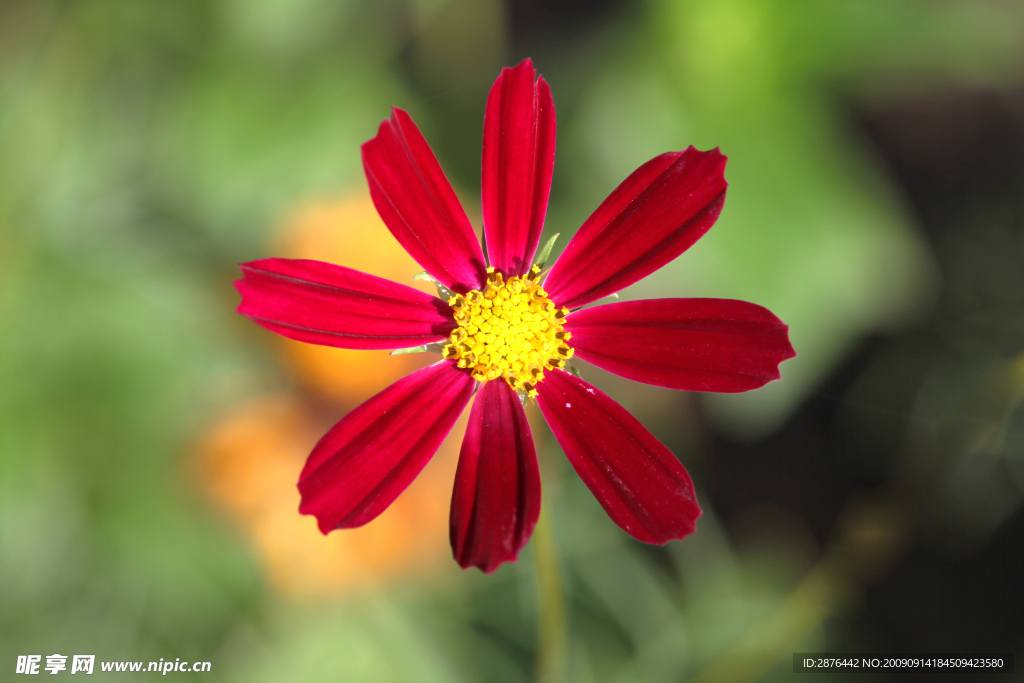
[510,329]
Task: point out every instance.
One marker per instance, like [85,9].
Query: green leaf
[411,349]
[542,257]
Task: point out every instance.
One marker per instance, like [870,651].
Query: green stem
[551,625]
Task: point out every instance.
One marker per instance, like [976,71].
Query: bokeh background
[150,438]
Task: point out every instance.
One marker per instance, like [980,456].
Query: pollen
[510,330]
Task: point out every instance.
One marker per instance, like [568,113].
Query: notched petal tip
[488,566]
[525,65]
[322,524]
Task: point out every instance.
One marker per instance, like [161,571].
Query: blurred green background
[150,438]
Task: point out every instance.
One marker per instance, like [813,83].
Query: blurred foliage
[810,228]
[146,148]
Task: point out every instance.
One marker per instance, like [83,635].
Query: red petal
[651,218]
[418,205]
[639,483]
[361,465]
[496,500]
[321,303]
[519,155]
[692,344]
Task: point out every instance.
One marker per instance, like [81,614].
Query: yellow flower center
[510,329]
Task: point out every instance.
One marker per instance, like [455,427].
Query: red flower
[506,334]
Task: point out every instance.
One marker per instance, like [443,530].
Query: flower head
[509,331]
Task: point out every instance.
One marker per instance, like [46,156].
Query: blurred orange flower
[249,463]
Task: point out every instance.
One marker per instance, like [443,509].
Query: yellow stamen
[510,330]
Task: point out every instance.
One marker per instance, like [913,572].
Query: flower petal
[361,465]
[692,344]
[637,480]
[518,158]
[651,218]
[419,206]
[496,500]
[321,303]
